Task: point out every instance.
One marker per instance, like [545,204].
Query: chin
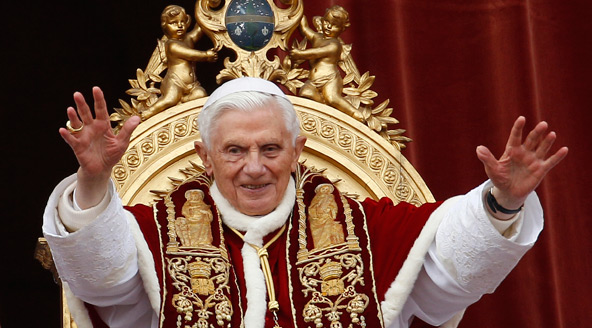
[256,209]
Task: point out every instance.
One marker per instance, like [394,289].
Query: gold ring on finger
[73,130]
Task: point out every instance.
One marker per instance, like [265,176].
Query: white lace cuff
[100,255]
[472,250]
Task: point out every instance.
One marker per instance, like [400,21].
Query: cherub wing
[347,64]
[158,60]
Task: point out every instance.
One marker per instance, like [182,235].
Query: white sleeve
[469,257]
[98,261]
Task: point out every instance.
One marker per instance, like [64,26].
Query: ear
[202,152]
[300,141]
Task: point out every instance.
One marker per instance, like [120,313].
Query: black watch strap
[495,206]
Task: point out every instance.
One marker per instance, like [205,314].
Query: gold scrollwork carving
[180,129]
[364,152]
[153,143]
[147,147]
[163,137]
[119,172]
[133,160]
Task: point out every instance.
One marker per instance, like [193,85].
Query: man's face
[251,157]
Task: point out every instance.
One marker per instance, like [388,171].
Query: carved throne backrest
[359,150]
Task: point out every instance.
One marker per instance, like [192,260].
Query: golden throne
[359,151]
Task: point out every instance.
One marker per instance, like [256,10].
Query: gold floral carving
[355,144]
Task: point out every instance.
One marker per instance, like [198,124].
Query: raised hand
[96,147]
[523,165]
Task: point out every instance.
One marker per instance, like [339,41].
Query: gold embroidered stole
[331,280]
[200,287]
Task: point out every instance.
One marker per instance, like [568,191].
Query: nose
[254,166]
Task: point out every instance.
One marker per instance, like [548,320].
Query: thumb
[128,127]
[486,157]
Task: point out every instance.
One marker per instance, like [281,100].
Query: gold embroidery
[200,270]
[193,229]
[330,273]
[351,242]
[322,213]
[333,271]
[330,276]
[200,273]
[206,293]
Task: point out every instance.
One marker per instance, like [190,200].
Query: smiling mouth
[254,187]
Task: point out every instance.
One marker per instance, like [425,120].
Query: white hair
[246,101]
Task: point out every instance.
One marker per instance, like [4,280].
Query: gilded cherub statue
[322,212]
[176,53]
[325,83]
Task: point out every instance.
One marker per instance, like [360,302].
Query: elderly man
[279,245]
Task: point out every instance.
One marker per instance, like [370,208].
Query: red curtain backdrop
[458,73]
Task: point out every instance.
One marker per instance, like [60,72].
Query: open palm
[523,165]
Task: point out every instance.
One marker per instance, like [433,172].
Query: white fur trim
[256,228]
[146,265]
[399,291]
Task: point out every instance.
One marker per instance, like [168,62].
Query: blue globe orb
[250,23]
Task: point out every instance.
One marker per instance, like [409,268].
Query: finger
[556,158]
[75,121]
[515,139]
[68,137]
[82,107]
[534,137]
[128,127]
[101,111]
[545,145]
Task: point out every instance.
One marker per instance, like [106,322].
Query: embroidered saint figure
[322,213]
[193,228]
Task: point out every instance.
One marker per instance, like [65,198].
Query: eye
[271,150]
[234,150]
